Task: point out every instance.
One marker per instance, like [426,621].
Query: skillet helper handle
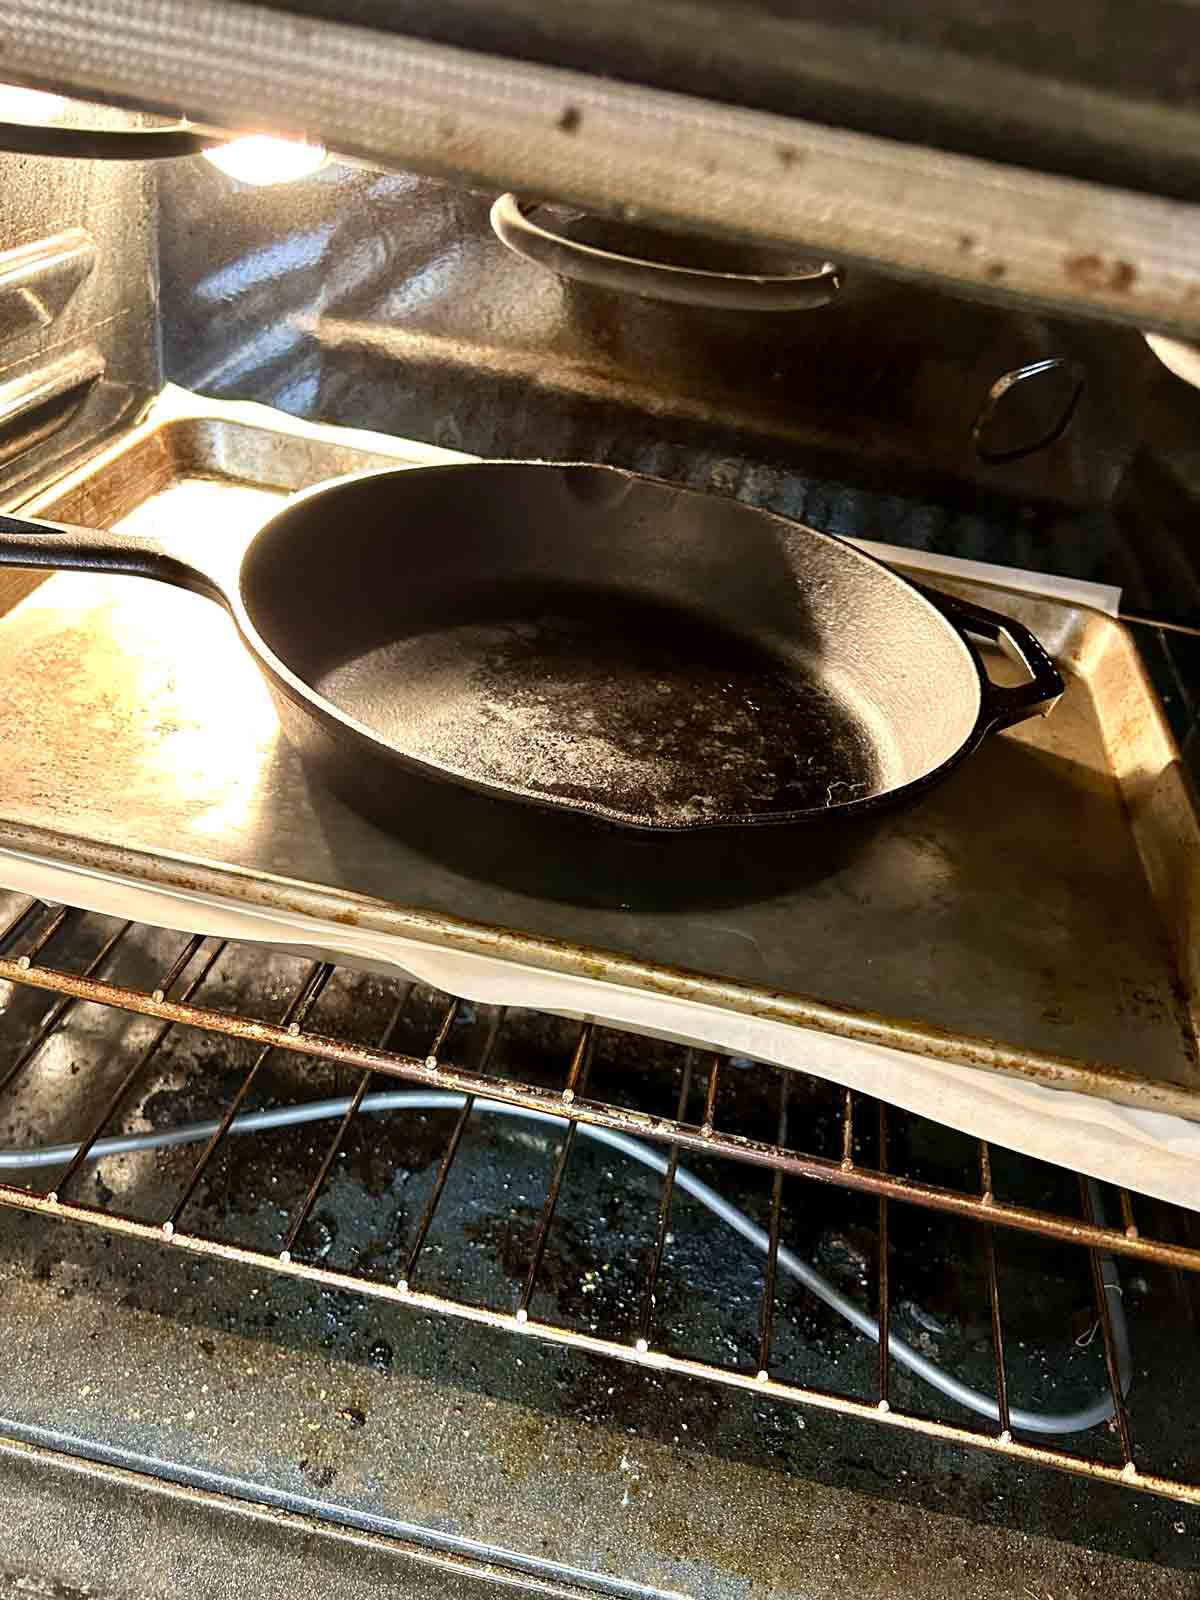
[25,543]
[658,280]
[1005,705]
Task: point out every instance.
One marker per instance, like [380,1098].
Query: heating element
[135,1142]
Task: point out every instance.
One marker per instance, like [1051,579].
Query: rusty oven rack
[173,1002]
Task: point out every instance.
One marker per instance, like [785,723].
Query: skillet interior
[610,644]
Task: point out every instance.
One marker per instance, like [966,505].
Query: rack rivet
[706,1130]
[884,1406]
[293,1028]
[159,996]
[285,1256]
[1006,1437]
[168,1228]
[24,963]
[522,1315]
[762,1376]
[642,1346]
[52,1198]
[402,1285]
[431,1063]
[568,1095]
[1129,1471]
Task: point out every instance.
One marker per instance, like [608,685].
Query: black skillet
[494,658]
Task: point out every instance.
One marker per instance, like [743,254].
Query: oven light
[29,105]
[258,159]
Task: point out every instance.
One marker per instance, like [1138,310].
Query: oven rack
[174,1002]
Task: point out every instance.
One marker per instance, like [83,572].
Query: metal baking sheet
[1035,915]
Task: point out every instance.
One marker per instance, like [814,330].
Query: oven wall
[79,351]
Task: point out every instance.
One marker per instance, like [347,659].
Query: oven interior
[322,1279]
[447,1318]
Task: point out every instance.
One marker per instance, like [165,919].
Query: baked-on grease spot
[995,270]
[570,119]
[966,241]
[1097,272]
[788,155]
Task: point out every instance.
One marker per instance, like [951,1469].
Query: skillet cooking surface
[617,702]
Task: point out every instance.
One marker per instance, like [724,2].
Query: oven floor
[579,1473]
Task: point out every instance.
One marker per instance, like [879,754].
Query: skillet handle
[25,543]
[1003,704]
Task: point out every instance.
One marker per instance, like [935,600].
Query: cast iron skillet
[492,658]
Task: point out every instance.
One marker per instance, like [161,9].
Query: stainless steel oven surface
[377,1219]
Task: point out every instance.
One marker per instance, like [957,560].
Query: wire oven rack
[689,1117]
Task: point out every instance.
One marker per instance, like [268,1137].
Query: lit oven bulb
[260,160]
